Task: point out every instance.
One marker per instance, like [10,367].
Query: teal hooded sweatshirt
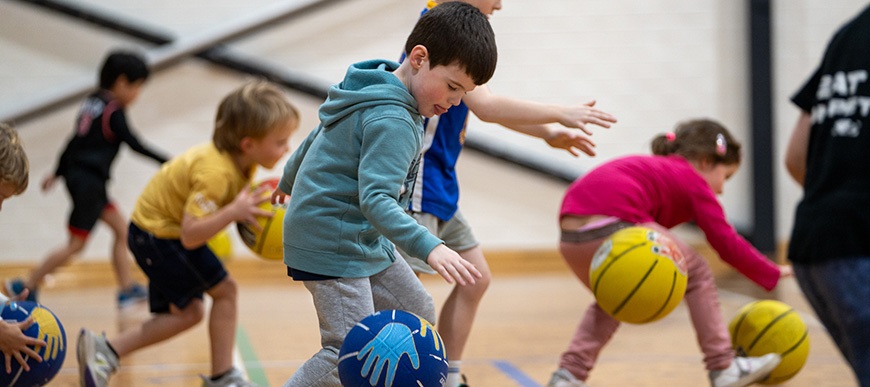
[351,179]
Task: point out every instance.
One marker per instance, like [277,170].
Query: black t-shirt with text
[833,217]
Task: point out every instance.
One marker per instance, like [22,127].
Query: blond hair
[14,168]
[252,110]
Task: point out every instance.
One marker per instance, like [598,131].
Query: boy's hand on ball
[14,343]
[20,296]
[278,196]
[452,267]
[246,206]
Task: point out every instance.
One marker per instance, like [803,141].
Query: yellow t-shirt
[197,182]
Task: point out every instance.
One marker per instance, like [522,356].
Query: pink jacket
[667,191]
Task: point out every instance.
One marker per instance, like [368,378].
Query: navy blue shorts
[175,275]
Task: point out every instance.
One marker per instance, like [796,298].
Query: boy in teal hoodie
[351,179]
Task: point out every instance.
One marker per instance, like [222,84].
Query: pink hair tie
[671,136]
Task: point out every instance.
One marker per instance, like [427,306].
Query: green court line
[255,370]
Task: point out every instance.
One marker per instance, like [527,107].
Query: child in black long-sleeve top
[85,166]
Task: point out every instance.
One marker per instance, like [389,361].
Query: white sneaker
[564,378]
[744,371]
[97,362]
[233,378]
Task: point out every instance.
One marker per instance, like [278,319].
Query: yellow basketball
[769,326]
[638,275]
[221,245]
[267,243]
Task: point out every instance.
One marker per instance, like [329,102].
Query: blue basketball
[46,327]
[392,348]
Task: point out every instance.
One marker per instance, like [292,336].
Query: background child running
[85,166]
[14,177]
[436,198]
[187,202]
[676,185]
[350,182]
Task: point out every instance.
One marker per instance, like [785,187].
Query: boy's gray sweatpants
[343,302]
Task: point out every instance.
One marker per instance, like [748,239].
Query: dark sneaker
[15,286]
[134,294]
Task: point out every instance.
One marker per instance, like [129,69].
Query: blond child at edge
[85,166]
[436,198]
[677,184]
[191,199]
[14,176]
[350,182]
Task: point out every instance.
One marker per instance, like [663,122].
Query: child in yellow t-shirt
[191,199]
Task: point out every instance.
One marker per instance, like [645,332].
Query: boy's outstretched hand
[570,140]
[452,267]
[579,116]
[48,182]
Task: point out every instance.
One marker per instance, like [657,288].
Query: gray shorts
[456,234]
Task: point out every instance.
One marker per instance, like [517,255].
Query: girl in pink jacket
[679,183]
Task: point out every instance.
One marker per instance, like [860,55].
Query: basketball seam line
[737,328]
[264,233]
[611,263]
[667,300]
[633,291]
[767,328]
[799,342]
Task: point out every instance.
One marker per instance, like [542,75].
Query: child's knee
[193,313]
[76,244]
[477,289]
[483,282]
[228,288]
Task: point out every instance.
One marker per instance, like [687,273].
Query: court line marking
[243,354]
[515,373]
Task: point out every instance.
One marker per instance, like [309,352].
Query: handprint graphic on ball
[385,350]
[392,348]
[46,327]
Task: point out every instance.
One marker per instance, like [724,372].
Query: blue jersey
[436,190]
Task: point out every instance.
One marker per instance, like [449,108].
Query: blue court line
[246,350]
[515,373]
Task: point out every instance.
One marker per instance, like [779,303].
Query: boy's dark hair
[457,33]
[125,63]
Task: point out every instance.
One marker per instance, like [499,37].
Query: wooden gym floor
[524,323]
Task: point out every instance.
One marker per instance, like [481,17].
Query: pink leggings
[597,327]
